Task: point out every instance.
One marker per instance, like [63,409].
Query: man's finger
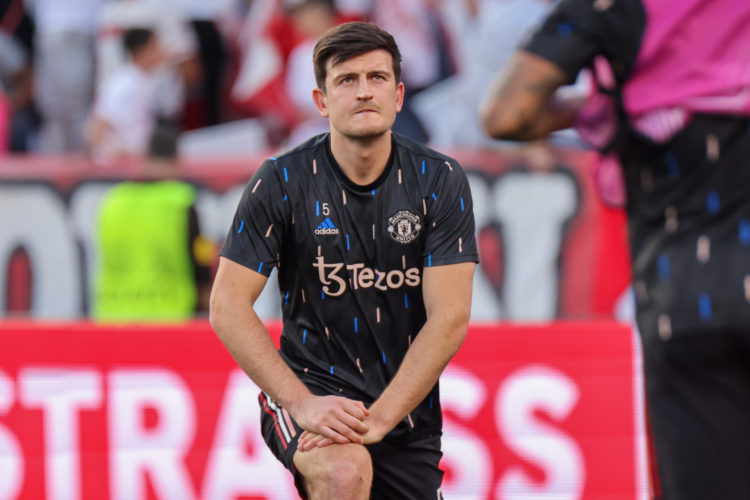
[354,423]
[304,442]
[335,434]
[310,440]
[324,442]
[304,438]
[349,434]
[316,440]
[357,410]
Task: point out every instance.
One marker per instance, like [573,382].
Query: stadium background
[543,401]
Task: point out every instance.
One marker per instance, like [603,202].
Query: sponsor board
[144,412]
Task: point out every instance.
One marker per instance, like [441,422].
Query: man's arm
[234,320]
[96,132]
[521,104]
[447,297]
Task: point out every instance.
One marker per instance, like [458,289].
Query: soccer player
[673,108]
[373,238]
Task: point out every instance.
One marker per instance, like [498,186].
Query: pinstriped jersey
[685,172]
[350,261]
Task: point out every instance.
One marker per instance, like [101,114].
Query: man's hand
[340,420]
[309,440]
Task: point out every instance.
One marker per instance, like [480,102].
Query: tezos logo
[361,276]
[404,227]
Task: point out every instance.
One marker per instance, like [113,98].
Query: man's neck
[362,161]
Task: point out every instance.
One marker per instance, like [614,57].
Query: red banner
[162,412]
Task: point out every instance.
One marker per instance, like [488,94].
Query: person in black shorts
[671,118]
[373,238]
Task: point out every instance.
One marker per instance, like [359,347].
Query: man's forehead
[374,60]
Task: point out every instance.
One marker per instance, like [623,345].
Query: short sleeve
[260,222]
[576,31]
[449,220]
[115,100]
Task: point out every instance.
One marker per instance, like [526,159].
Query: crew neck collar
[350,183]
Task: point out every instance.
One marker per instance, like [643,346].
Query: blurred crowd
[98,77]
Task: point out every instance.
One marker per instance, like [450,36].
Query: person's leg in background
[698,398]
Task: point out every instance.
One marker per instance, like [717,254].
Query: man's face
[153,55]
[361,97]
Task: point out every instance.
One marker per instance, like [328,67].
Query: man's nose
[363,90]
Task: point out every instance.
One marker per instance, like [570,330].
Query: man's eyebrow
[374,72]
[338,76]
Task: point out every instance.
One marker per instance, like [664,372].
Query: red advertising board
[162,412]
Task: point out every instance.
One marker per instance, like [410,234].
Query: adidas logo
[326,227]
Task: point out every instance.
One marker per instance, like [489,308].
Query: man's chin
[366,134]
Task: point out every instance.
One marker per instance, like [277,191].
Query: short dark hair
[349,40]
[135,39]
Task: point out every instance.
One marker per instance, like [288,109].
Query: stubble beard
[368,133]
[367,136]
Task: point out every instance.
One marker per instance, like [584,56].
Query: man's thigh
[281,433]
[335,471]
[407,471]
[398,471]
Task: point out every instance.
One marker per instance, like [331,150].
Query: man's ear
[320,100]
[399,96]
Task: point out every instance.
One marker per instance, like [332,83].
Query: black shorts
[698,402]
[400,471]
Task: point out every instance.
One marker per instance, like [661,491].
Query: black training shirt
[350,260]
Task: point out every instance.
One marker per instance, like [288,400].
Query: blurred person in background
[14,85]
[671,117]
[264,42]
[127,106]
[273,83]
[16,75]
[153,263]
[483,34]
[310,18]
[63,69]
[418,29]
[373,237]
[181,71]
[205,18]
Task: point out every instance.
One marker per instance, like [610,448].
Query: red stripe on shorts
[275,420]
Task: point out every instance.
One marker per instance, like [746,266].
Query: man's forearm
[521,104]
[248,341]
[556,114]
[437,342]
[337,418]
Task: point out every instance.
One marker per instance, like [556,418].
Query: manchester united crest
[404,226]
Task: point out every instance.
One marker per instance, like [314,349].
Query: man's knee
[352,475]
[336,471]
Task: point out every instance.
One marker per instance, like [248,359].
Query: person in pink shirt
[671,119]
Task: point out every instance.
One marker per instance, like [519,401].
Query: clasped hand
[333,419]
